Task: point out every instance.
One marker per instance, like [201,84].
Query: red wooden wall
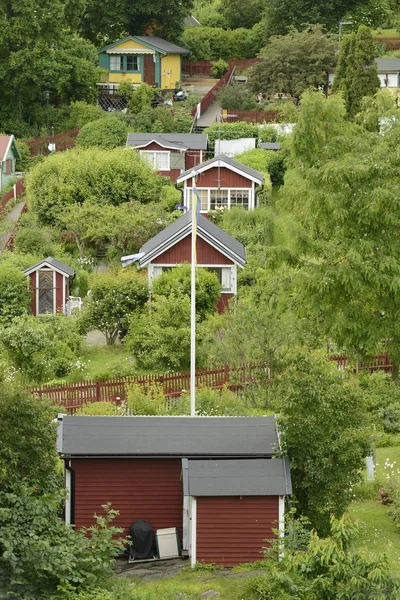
[181,252]
[192,159]
[221,177]
[58,291]
[231,529]
[149,489]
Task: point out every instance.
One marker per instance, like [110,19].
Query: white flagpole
[193,309]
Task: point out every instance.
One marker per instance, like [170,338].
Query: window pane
[115,63]
[239,199]
[132,63]
[218,199]
[217,271]
[161,161]
[226,278]
[203,199]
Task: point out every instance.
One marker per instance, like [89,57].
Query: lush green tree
[93,174]
[357,70]
[107,132]
[238,14]
[283,14]
[237,96]
[213,43]
[209,13]
[14,293]
[28,454]
[42,348]
[378,113]
[177,281]
[322,432]
[342,191]
[43,558]
[160,338]
[114,296]
[41,52]
[325,568]
[271,163]
[105,22]
[294,62]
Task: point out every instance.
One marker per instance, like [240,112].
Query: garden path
[8,224]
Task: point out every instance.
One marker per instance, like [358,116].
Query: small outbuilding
[49,282]
[9,153]
[216,250]
[214,479]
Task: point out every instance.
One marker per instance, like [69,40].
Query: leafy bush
[42,347]
[28,454]
[266,161]
[97,175]
[81,113]
[23,163]
[107,132]
[114,296]
[34,240]
[216,403]
[163,119]
[146,399]
[267,134]
[177,282]
[141,97]
[215,43]
[219,68]
[237,96]
[14,294]
[382,396]
[230,131]
[93,409]
[42,557]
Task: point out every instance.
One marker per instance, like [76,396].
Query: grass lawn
[386,33]
[379,534]
[99,360]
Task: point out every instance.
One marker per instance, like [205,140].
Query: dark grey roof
[55,263]
[237,477]
[167,436]
[229,161]
[270,146]
[163,45]
[187,141]
[191,22]
[182,227]
[385,65]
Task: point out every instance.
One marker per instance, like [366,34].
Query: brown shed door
[149,69]
[232,529]
[46,292]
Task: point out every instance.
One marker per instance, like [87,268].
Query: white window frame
[156,269]
[121,63]
[189,192]
[145,154]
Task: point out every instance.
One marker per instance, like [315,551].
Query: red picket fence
[16,191]
[62,141]
[390,43]
[71,396]
[381,362]
[251,116]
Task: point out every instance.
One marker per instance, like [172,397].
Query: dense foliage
[265,161]
[14,293]
[107,132]
[213,43]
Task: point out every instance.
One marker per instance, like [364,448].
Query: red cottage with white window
[170,153]
[49,282]
[222,183]
[214,479]
[216,251]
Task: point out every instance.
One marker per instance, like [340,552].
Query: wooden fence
[71,396]
[209,98]
[203,67]
[381,362]
[390,43]
[251,116]
[61,141]
[16,191]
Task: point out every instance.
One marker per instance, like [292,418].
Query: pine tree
[346,49]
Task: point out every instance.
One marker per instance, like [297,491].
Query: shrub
[141,97]
[14,294]
[237,96]
[230,131]
[219,68]
[217,403]
[34,240]
[266,161]
[146,399]
[23,163]
[107,132]
[81,113]
[97,408]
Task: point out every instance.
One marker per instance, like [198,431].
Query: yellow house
[145,58]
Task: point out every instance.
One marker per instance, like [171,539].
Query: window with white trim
[158,160]
[132,63]
[203,194]
[224,275]
[219,199]
[240,199]
[115,63]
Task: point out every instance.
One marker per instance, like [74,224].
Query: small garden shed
[213,478]
[49,281]
[8,155]
[216,251]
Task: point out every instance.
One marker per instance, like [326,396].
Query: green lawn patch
[386,33]
[106,361]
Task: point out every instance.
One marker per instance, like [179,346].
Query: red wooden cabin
[213,478]
[216,250]
[49,282]
[170,153]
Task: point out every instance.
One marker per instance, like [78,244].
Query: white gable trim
[216,164]
[181,235]
[10,142]
[45,264]
[171,147]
